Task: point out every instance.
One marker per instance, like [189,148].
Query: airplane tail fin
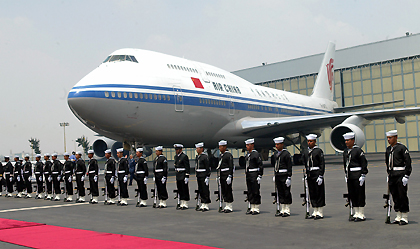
[324,84]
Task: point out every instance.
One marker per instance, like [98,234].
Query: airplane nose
[82,107]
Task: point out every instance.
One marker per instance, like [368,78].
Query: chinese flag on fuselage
[197,83]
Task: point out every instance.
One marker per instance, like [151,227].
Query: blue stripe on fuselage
[187,100]
[202,93]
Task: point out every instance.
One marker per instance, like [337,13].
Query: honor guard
[123,171]
[254,171]
[315,168]
[160,170]
[8,176]
[2,179]
[56,173]
[80,172]
[225,170]
[182,169]
[355,169]
[202,172]
[39,176]
[27,176]
[68,176]
[110,170]
[283,177]
[18,177]
[398,162]
[93,172]
[48,176]
[141,174]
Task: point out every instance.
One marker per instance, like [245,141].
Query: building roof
[375,52]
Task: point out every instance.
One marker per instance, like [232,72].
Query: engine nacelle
[352,124]
[102,144]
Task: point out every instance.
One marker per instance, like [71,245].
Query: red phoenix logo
[330,73]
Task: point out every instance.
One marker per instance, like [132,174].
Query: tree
[35,145]
[82,141]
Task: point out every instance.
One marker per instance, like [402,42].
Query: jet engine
[102,144]
[354,124]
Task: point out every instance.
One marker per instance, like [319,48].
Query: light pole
[64,126]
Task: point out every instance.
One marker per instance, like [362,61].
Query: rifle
[178,205]
[305,195]
[248,210]
[197,197]
[388,206]
[138,197]
[218,192]
[350,205]
[119,192]
[154,191]
[105,189]
[276,199]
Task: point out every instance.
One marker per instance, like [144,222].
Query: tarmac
[238,230]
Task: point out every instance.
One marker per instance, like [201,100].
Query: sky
[47,46]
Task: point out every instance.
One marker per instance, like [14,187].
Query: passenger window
[130,95]
[135,95]
[113,94]
[141,95]
[125,95]
[107,94]
[145,96]
[119,94]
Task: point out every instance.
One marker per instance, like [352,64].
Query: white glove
[145,180]
[206,181]
[95,178]
[186,180]
[288,181]
[362,180]
[229,180]
[111,180]
[274,178]
[125,179]
[11,179]
[259,179]
[154,179]
[320,180]
[405,180]
[82,178]
[70,179]
[345,178]
[49,178]
[18,178]
[163,179]
[40,178]
[58,178]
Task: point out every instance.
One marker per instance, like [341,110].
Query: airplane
[144,98]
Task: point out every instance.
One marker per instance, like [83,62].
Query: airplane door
[231,106]
[179,100]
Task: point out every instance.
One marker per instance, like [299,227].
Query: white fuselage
[162,99]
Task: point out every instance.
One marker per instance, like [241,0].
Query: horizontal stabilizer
[356,107]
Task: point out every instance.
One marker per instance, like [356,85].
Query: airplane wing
[269,127]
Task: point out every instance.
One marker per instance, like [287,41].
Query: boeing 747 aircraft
[150,98]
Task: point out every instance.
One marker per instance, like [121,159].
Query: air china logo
[330,73]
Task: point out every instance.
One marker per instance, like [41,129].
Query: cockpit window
[121,58]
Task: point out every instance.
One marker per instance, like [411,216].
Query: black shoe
[352,218]
[278,214]
[204,210]
[142,205]
[138,204]
[396,222]
[255,213]
[310,217]
[359,219]
[286,215]
[403,223]
[318,217]
[227,211]
[248,211]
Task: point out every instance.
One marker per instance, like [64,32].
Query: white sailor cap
[54,154]
[222,142]
[311,137]
[392,133]
[139,149]
[6,157]
[27,155]
[91,152]
[38,155]
[278,140]
[120,150]
[199,145]
[66,154]
[348,135]
[249,141]
[108,151]
[16,156]
[159,148]
[79,153]
[178,146]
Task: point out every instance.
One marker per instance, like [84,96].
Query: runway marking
[42,207]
